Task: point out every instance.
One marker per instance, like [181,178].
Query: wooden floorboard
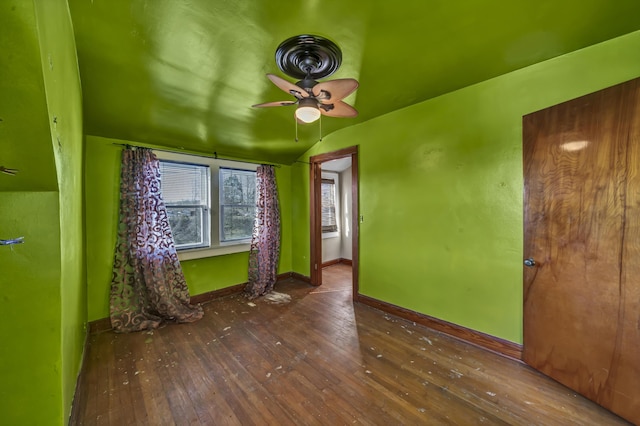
[316,359]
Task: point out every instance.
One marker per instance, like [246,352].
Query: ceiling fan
[308,58]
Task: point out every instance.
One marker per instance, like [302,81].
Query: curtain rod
[215,155]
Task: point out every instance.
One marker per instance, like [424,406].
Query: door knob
[530,262]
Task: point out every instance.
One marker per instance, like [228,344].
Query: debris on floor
[277,298]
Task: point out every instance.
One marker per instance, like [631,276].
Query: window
[210,203]
[185,191]
[237,204]
[328,193]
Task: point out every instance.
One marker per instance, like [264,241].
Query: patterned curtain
[148,285]
[265,241]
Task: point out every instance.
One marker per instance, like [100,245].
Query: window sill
[213,251]
[326,235]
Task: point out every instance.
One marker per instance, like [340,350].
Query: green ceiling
[184,73]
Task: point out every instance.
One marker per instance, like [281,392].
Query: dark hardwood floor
[315,359]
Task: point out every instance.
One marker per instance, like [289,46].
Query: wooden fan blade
[329,92]
[340,109]
[288,87]
[274,104]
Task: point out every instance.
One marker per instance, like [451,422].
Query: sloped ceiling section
[184,74]
[25,138]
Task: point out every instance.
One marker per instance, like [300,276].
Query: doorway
[348,224]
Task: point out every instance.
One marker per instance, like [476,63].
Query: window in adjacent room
[210,203]
[329,215]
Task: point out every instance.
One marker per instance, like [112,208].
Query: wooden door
[582,230]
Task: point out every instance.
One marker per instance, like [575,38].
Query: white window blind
[184,183]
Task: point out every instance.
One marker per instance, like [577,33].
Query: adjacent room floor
[309,356]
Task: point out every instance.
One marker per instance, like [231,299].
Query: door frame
[315,211]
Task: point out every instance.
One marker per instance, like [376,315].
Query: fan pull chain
[320,128]
[294,119]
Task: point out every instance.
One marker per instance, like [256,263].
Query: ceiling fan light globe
[307,114]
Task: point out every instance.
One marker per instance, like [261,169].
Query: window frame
[216,247]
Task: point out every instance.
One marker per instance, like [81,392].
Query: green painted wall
[23,110]
[300,216]
[30,357]
[441,190]
[102,180]
[42,280]
[64,101]
[30,364]
[283,179]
